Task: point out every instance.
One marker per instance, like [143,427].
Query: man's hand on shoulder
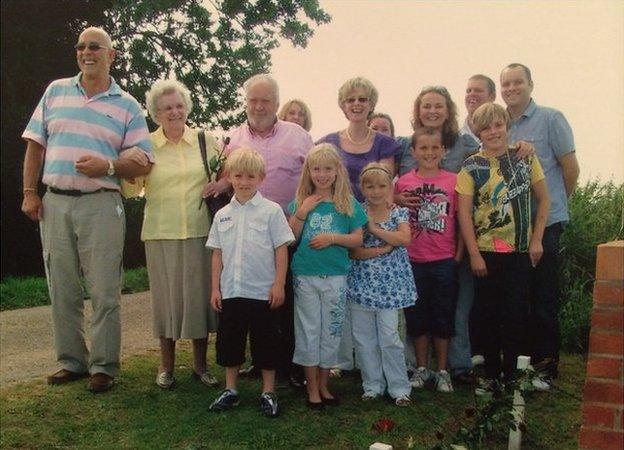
[92,166]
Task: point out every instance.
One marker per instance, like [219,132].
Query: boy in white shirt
[249,238]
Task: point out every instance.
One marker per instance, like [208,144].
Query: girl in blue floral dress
[379,284]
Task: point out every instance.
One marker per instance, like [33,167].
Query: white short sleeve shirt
[247,236]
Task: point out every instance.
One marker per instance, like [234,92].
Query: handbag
[213,203]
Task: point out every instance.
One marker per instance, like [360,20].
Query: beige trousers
[84,236]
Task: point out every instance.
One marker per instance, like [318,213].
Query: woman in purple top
[357,143]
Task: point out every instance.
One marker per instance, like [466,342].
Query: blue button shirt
[549,131]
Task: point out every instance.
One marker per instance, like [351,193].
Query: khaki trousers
[84,236]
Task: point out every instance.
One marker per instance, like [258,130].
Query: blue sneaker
[269,405]
[226,400]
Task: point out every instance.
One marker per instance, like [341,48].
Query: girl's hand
[535,252]
[524,149]
[321,241]
[406,200]
[308,205]
[373,227]
[215,300]
[477,263]
[276,296]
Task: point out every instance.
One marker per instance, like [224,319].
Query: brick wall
[603,396]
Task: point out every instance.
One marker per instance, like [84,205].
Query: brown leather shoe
[65,376]
[100,382]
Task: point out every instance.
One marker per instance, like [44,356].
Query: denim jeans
[459,356]
[544,334]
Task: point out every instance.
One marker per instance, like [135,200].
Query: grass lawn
[26,292]
[137,414]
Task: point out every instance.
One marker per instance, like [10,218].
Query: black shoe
[226,400]
[331,401]
[251,372]
[316,406]
[269,405]
[297,381]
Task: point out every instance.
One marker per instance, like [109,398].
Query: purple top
[383,147]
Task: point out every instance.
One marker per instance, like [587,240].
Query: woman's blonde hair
[245,160]
[375,172]
[356,83]
[341,190]
[307,124]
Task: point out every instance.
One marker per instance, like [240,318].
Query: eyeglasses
[351,100]
[92,46]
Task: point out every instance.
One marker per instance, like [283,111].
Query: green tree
[211,46]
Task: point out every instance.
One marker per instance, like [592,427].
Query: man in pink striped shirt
[78,133]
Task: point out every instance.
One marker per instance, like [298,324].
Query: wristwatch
[111,168]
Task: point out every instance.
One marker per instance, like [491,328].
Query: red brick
[610,261]
[600,439]
[604,342]
[598,416]
[605,368]
[597,390]
[609,293]
[619,419]
[608,319]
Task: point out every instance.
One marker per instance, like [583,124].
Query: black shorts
[240,316]
[434,311]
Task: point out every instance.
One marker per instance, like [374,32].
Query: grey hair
[262,78]
[161,87]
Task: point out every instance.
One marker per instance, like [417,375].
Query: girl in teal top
[327,221]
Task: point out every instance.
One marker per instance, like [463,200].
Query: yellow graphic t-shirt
[501,191]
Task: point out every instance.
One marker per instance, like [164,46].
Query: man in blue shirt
[549,131]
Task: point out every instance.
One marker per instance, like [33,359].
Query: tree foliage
[212,47]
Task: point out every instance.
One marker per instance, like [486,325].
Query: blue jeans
[459,354]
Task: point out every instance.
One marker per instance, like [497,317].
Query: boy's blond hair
[245,160]
[341,190]
[487,113]
[375,172]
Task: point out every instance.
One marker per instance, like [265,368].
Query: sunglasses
[92,46]
[359,99]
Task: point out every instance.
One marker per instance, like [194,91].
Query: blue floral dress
[386,281]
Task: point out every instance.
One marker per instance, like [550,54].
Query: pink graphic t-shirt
[433,220]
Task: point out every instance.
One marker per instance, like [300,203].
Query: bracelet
[29,189]
[299,218]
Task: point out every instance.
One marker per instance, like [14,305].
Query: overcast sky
[575,50]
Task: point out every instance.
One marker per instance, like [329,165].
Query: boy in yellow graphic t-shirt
[494,211]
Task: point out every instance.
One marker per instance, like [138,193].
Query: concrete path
[27,347]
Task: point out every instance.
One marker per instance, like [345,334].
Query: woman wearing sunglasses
[358,146]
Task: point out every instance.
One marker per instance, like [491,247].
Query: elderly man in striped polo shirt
[78,133]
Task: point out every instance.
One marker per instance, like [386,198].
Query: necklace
[353,141]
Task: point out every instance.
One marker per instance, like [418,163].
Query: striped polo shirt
[69,125]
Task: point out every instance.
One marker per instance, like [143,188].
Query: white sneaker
[443,382]
[404,400]
[165,380]
[420,376]
[486,386]
[542,383]
[477,360]
[369,395]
